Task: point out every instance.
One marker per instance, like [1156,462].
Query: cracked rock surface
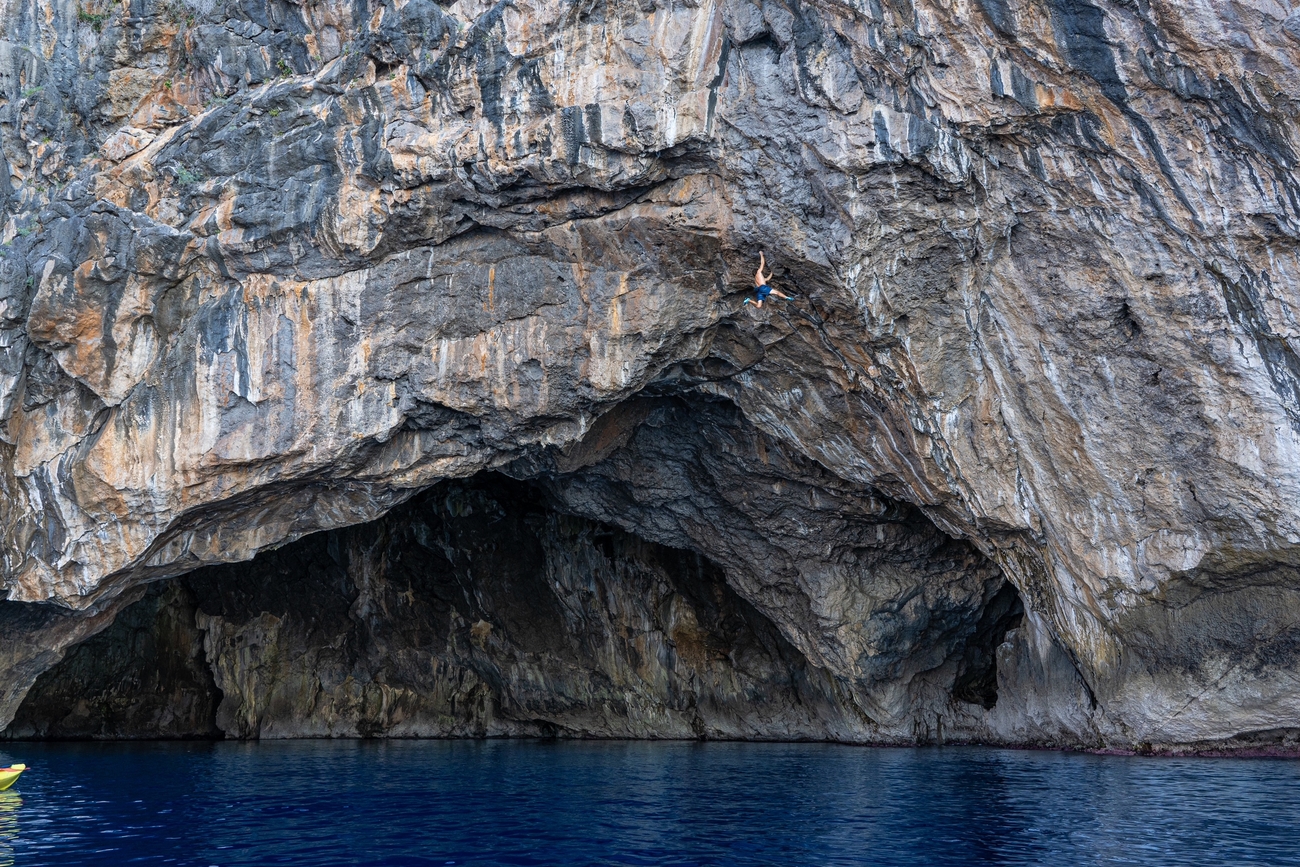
[1018,464]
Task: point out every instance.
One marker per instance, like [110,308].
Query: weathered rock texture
[273,268]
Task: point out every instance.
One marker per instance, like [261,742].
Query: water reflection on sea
[626,803]
[10,804]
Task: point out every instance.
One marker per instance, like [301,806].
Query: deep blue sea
[559,803]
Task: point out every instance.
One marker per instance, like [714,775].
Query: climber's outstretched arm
[759,279]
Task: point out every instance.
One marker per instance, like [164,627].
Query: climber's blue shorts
[761,292]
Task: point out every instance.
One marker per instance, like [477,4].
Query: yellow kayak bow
[10,775]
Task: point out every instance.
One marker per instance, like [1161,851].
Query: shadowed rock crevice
[977,679]
[145,676]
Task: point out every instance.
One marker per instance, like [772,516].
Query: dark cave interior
[477,608]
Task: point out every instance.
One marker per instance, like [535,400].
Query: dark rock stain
[1080,28]
[572,133]
[999,15]
[1280,358]
[716,83]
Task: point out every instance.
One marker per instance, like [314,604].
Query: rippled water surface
[487,803]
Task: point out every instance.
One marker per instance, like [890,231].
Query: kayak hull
[9,776]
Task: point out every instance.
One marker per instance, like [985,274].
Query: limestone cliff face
[274,268]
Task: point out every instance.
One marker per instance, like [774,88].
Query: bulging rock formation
[1018,464]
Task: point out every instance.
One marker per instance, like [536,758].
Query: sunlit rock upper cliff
[1020,463]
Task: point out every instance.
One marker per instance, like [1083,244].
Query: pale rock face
[271,269]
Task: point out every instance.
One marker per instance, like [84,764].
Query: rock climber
[761,287]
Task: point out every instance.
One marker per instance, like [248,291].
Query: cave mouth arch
[485,607]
